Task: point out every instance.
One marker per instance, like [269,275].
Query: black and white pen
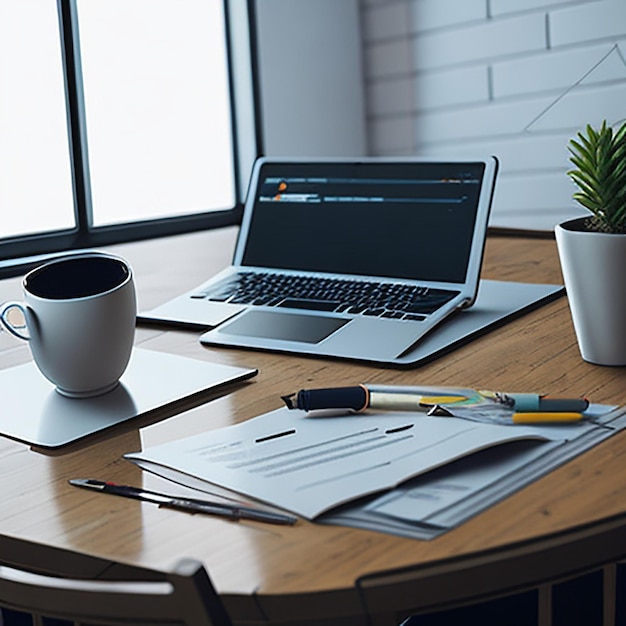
[233,512]
[378,397]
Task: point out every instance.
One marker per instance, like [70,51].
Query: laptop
[349,258]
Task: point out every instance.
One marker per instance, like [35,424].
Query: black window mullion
[75,103]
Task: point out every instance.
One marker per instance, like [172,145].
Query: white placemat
[33,411]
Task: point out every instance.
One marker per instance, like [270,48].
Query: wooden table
[570,521]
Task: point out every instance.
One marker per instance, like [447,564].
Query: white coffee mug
[79,315]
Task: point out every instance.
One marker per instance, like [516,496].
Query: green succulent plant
[599,157]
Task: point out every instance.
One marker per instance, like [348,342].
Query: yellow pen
[545,417]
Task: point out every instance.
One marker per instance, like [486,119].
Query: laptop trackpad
[283,326]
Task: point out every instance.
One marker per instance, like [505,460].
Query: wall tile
[490,40]
[584,106]
[391,135]
[588,22]
[378,2]
[385,21]
[392,96]
[428,15]
[505,7]
[389,59]
[478,122]
[578,108]
[451,87]
[538,201]
[552,191]
[558,70]
[397,151]
[523,153]
[528,219]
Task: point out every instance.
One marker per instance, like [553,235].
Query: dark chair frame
[52,584]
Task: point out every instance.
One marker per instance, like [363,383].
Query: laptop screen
[407,220]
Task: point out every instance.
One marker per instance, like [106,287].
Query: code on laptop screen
[398,220]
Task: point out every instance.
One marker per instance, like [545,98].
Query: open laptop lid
[399,218]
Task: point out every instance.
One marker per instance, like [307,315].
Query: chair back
[182,597]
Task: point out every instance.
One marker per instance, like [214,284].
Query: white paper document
[427,498]
[433,503]
[310,463]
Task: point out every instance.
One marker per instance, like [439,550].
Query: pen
[545,417]
[361,397]
[537,403]
[190,505]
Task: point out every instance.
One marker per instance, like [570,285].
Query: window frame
[20,253]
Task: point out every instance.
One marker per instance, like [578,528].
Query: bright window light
[36,193]
[157,110]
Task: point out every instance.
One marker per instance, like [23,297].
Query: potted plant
[592,249]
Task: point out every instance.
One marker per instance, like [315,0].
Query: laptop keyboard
[392,300]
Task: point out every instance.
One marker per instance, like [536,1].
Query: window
[35,160]
[121,119]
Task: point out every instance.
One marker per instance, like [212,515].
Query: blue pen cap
[525,402]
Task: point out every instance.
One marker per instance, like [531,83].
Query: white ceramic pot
[594,271]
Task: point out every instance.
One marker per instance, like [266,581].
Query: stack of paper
[404,473]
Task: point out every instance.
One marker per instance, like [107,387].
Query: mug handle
[15,330]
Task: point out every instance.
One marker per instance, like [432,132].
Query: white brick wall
[515,78]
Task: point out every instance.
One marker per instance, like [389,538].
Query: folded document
[318,465]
